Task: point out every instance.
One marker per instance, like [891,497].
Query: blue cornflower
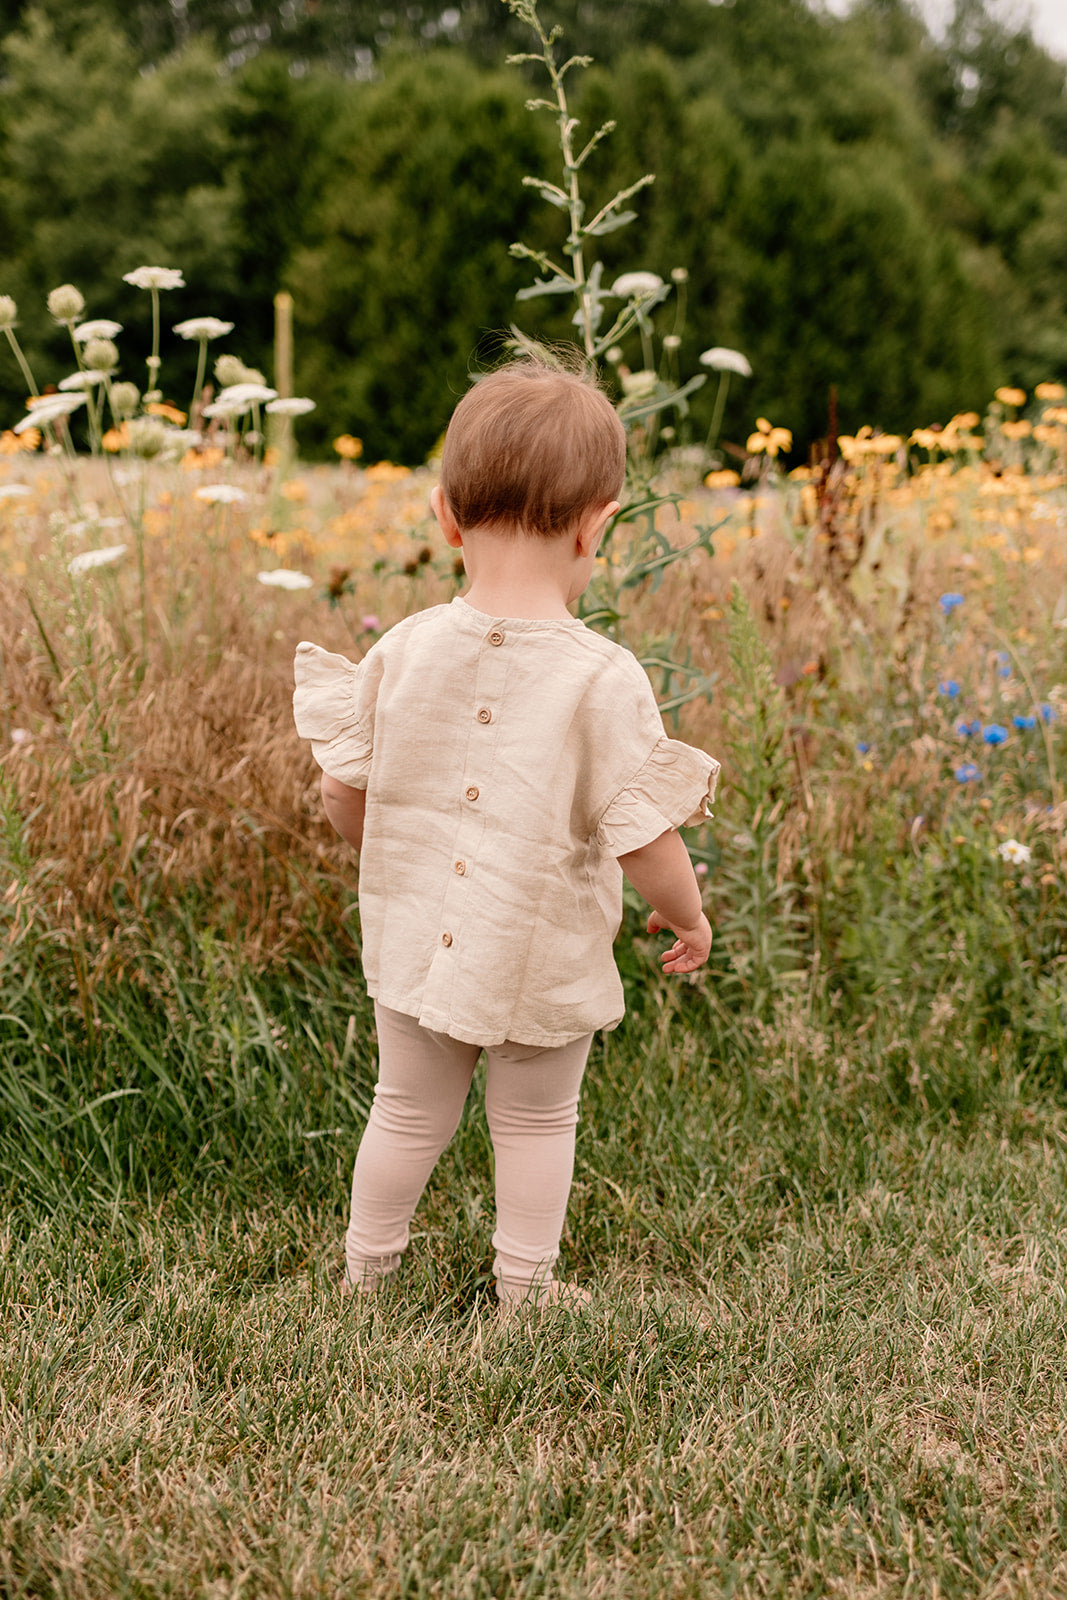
[1024,722]
[950,687]
[1003,664]
[993,733]
[967,729]
[862,746]
[1048,713]
[967,773]
[949,602]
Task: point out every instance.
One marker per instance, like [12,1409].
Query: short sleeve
[673,789]
[328,711]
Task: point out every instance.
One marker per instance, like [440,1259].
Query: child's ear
[593,524]
[446,521]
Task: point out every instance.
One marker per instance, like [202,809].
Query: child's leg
[531,1102]
[423,1079]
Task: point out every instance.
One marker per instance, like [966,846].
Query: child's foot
[367,1277]
[539,1296]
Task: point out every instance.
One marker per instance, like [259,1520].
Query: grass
[820,1189]
[824,1356]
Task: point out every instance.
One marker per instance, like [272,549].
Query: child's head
[531,449]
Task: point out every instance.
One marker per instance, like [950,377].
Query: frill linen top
[507,763]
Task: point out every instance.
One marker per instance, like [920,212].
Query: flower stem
[31,382]
[716,416]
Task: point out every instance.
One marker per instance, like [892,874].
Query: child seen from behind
[499,766]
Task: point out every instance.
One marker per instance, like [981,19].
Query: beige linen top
[507,763]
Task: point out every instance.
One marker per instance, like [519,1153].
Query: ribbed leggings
[531,1104]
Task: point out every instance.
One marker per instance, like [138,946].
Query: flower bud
[8,311]
[147,436]
[679,274]
[66,303]
[102,355]
[124,398]
[229,370]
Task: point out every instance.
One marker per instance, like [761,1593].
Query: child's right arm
[346,808]
[663,874]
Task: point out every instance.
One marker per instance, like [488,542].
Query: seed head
[102,355]
[8,311]
[124,398]
[66,303]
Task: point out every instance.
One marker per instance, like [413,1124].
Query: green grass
[824,1356]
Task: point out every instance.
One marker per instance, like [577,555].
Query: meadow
[820,1188]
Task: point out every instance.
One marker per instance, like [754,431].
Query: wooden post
[283,344]
[283,374]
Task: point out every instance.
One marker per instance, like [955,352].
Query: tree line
[856,203]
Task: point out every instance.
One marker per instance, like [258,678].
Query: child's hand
[691,947]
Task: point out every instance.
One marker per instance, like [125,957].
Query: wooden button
[496,637]
[446,938]
[472,792]
[459,868]
[485,715]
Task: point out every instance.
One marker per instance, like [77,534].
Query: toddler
[499,766]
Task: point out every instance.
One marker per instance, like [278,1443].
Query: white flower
[96,558]
[282,578]
[8,311]
[671,341]
[245,394]
[721,359]
[101,328]
[1011,850]
[102,355]
[81,380]
[148,436]
[154,278]
[202,328]
[21,736]
[638,382]
[223,494]
[296,407]
[49,408]
[9,490]
[637,285]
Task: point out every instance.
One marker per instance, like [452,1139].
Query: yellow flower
[1050,391]
[768,439]
[927,439]
[386,472]
[967,419]
[1055,414]
[116,439]
[722,480]
[1015,430]
[1050,435]
[296,490]
[348,448]
[1011,397]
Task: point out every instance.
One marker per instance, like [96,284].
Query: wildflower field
[820,1186]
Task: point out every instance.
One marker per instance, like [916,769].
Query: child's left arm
[346,808]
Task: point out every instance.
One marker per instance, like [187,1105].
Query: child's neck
[519,577]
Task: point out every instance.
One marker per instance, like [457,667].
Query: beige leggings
[531,1104]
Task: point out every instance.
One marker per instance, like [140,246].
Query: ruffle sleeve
[673,789]
[326,709]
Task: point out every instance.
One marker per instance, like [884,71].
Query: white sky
[1048,18]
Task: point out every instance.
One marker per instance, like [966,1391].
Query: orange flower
[1050,391]
[116,439]
[1011,397]
[722,480]
[167,412]
[12,443]
[348,448]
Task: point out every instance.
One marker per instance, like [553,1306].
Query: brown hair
[531,448]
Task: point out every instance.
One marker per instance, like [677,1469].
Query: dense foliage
[858,204]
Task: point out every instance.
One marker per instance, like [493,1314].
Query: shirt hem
[439,1022]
